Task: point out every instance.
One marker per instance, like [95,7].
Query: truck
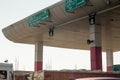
[6,71]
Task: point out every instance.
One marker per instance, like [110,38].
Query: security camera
[89,41]
[51,31]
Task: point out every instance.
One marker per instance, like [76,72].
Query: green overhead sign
[73,4]
[38,17]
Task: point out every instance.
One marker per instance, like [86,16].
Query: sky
[12,11]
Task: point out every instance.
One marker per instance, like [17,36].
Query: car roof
[99,78]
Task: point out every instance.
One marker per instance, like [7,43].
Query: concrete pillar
[109,43]
[109,58]
[38,56]
[95,46]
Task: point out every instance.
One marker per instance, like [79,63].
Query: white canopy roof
[71,28]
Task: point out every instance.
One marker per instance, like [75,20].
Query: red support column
[38,65]
[95,44]
[109,68]
[108,43]
[109,57]
[96,58]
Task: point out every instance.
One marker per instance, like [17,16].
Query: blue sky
[12,11]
